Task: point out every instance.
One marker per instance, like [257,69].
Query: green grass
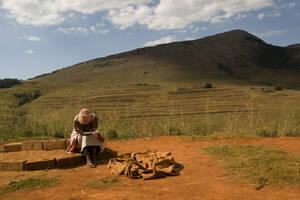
[99,183]
[261,165]
[27,184]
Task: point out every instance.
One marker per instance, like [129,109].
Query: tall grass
[39,122]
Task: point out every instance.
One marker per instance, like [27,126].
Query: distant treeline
[9,82]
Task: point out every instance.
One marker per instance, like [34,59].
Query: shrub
[207,85]
[278,88]
[8,82]
[24,97]
[112,134]
[264,132]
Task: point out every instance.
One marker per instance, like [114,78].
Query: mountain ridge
[235,55]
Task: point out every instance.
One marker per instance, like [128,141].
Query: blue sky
[40,36]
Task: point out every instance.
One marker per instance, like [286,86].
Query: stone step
[32,146]
[12,165]
[12,147]
[49,145]
[40,165]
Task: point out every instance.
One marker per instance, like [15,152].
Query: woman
[86,138]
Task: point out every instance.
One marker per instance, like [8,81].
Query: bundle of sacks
[146,165]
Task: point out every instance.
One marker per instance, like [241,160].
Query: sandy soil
[202,178]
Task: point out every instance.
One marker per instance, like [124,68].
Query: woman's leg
[87,152]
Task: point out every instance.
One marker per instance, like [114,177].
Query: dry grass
[262,165]
[145,110]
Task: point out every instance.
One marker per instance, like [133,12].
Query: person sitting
[85,137]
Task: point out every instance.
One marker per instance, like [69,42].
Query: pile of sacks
[146,165]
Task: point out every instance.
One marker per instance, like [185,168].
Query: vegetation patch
[24,97]
[27,184]
[260,164]
[99,183]
[208,85]
[217,136]
[9,82]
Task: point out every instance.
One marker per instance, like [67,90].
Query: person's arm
[77,127]
[95,126]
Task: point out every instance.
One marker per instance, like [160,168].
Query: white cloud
[275,14]
[181,31]
[271,33]
[200,29]
[172,14]
[99,28]
[260,16]
[156,15]
[29,51]
[241,16]
[189,38]
[49,12]
[289,5]
[73,30]
[33,38]
[129,16]
[163,40]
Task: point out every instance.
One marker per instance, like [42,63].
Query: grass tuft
[27,184]
[99,183]
[259,164]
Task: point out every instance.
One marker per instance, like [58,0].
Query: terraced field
[135,101]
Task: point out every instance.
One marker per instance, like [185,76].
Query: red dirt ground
[202,178]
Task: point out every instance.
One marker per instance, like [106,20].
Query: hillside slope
[234,55]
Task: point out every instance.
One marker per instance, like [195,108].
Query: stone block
[70,161]
[40,165]
[11,147]
[32,145]
[49,145]
[12,165]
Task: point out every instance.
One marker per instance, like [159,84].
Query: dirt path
[200,179]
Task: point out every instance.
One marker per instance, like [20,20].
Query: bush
[24,97]
[207,85]
[278,88]
[8,82]
[267,133]
[112,134]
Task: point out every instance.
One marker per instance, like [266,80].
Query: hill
[235,55]
[162,84]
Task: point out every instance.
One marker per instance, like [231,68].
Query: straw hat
[84,116]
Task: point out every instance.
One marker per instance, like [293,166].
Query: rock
[12,165]
[32,145]
[70,161]
[12,147]
[40,165]
[49,145]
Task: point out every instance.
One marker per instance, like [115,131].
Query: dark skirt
[90,149]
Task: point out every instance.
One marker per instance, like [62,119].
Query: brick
[12,165]
[12,147]
[39,165]
[32,145]
[49,145]
[70,161]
